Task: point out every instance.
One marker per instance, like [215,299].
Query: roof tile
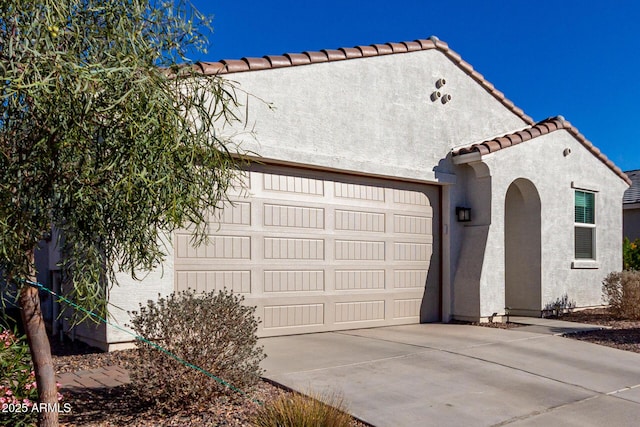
[235,65]
[316,56]
[492,145]
[334,55]
[298,58]
[498,94]
[503,141]
[412,46]
[482,149]
[514,138]
[535,132]
[507,102]
[368,50]
[466,67]
[632,195]
[440,44]
[278,61]
[426,44]
[543,127]
[257,63]
[351,52]
[397,47]
[210,68]
[383,49]
[455,56]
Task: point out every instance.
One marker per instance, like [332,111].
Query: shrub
[621,290]
[213,331]
[296,410]
[631,254]
[18,390]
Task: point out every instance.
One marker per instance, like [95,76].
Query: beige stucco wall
[129,293]
[554,175]
[370,115]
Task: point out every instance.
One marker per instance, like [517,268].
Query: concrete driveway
[459,375]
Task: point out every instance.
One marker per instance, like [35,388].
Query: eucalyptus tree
[109,136]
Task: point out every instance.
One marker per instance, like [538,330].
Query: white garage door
[318,251]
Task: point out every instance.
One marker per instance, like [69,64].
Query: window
[585,225]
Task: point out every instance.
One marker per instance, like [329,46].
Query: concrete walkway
[552,326]
[460,375]
[109,376]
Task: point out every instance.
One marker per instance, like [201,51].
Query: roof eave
[464,159]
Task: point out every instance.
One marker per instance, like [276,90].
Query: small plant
[213,331]
[621,290]
[297,410]
[18,390]
[631,254]
[559,307]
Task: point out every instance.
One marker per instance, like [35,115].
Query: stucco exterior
[371,115]
[632,221]
[631,206]
[404,117]
[560,273]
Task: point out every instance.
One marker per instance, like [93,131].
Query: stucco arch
[522,244]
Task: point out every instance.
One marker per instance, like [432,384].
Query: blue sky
[577,58]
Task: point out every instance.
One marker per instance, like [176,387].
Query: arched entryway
[522,244]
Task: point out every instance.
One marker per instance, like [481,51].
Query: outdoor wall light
[463,214]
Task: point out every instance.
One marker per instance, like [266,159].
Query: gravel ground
[119,406]
[623,335]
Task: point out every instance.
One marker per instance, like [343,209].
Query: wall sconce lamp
[463,214]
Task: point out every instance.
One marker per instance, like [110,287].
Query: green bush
[631,254]
[296,410]
[213,331]
[621,290]
[18,390]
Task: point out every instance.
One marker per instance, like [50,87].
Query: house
[395,185]
[631,207]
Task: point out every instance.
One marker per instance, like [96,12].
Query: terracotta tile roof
[632,195]
[329,55]
[541,128]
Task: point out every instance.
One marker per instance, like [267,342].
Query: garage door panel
[360,221]
[350,280]
[359,250]
[293,316]
[407,308]
[293,281]
[278,215]
[239,281]
[317,251]
[293,248]
[410,278]
[292,184]
[227,247]
[346,190]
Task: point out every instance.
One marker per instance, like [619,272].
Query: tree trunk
[40,352]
